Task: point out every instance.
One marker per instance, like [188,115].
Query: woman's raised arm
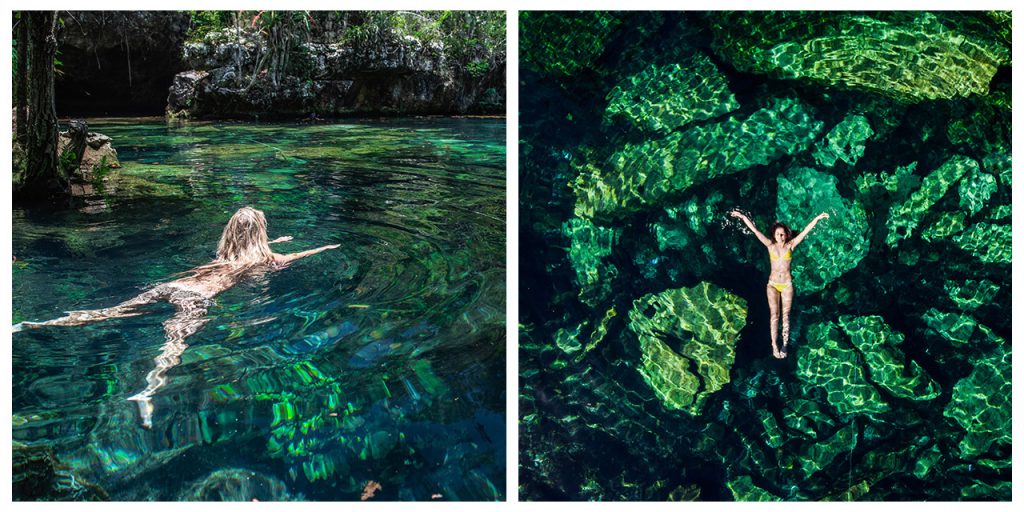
[803,234]
[760,236]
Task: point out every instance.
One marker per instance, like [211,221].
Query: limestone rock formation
[688,342]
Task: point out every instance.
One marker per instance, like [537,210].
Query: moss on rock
[588,246]
[663,98]
[904,218]
[910,57]
[845,142]
[688,342]
[990,243]
[642,175]
[837,244]
[827,361]
[981,405]
[888,367]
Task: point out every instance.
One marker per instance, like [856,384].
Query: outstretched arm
[760,236]
[280,239]
[803,234]
[288,258]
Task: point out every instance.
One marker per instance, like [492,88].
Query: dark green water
[645,359]
[382,360]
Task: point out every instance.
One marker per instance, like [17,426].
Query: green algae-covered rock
[687,341]
[880,347]
[642,175]
[981,405]
[820,454]
[954,327]
[845,142]
[663,98]
[827,361]
[904,218]
[772,433]
[685,225]
[975,190]
[988,491]
[910,57]
[807,417]
[743,489]
[568,339]
[1001,212]
[837,244]
[947,225]
[971,294]
[561,43]
[1000,163]
[990,243]
[588,246]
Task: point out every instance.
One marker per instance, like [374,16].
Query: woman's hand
[280,239]
[823,215]
[738,214]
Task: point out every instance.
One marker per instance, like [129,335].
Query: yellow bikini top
[787,256]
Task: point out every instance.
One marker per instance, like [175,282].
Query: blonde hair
[243,245]
[244,241]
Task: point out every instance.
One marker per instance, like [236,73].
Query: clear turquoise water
[382,360]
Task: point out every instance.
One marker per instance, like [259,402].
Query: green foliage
[473,38]
[204,22]
[101,170]
[478,68]
[68,163]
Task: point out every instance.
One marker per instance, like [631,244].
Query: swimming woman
[243,246]
[780,281]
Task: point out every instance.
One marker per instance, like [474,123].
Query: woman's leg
[191,317]
[773,308]
[125,309]
[787,304]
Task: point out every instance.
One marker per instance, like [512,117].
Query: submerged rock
[981,405]
[944,227]
[910,56]
[990,243]
[663,98]
[975,190]
[688,342]
[642,175]
[972,294]
[827,361]
[589,245]
[845,142]
[890,368]
[819,454]
[37,475]
[743,489]
[564,43]
[837,244]
[237,484]
[904,218]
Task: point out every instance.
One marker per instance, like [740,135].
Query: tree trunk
[21,100]
[43,177]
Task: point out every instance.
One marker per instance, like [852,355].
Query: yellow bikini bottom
[781,287]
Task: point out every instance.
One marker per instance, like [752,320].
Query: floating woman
[243,247]
[780,281]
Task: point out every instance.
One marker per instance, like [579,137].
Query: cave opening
[118,63]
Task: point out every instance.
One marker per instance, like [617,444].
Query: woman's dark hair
[785,229]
